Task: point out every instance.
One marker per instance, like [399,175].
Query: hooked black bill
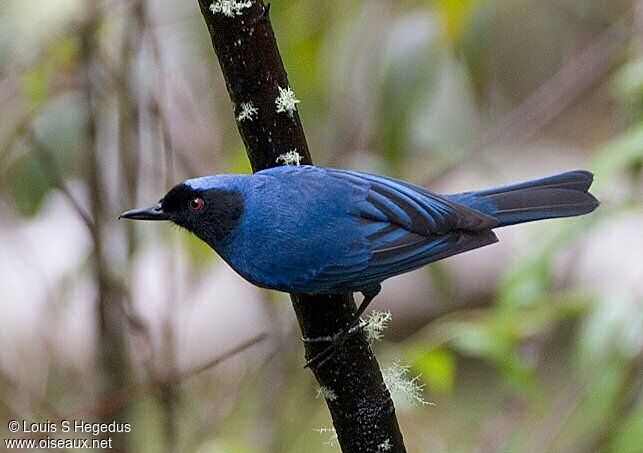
[151,213]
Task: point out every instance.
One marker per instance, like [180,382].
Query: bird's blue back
[309,229]
[320,230]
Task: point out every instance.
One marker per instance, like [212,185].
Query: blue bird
[306,229]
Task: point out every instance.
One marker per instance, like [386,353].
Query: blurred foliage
[545,357]
[457,17]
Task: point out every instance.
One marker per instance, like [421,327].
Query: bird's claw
[335,341]
[333,338]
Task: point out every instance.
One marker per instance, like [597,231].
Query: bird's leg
[338,339]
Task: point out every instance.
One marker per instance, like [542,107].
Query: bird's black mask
[210,214]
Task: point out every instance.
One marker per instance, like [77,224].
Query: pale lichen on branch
[229,8]
[247,112]
[376,323]
[333,440]
[399,384]
[286,102]
[292,157]
[325,392]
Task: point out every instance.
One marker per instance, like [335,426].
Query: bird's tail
[562,195]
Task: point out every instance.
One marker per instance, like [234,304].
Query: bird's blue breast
[295,224]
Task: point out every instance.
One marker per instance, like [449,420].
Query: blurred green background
[530,345]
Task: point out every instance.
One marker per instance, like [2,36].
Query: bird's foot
[336,341]
[333,338]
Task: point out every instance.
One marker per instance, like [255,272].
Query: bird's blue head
[204,206]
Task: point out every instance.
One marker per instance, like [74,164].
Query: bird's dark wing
[405,227]
[413,207]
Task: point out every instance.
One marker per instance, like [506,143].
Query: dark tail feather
[563,195]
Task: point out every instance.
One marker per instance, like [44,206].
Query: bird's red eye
[195,204]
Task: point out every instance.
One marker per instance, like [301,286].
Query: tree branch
[243,39]
[113,358]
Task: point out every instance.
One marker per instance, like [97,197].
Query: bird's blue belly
[286,247]
[278,260]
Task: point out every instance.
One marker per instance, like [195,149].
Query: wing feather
[405,227]
[413,207]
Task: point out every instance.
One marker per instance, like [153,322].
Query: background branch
[113,358]
[362,412]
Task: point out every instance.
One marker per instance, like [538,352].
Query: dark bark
[362,410]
